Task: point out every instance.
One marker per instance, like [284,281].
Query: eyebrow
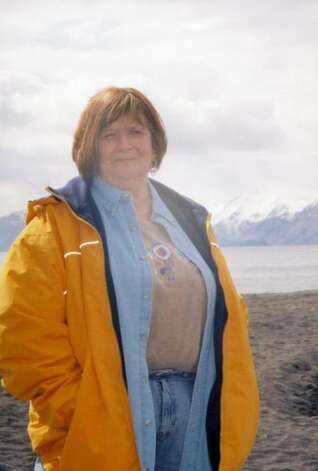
[110,129]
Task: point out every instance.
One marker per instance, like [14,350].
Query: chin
[133,175]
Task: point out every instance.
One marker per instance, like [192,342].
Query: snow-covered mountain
[10,226]
[255,207]
[242,221]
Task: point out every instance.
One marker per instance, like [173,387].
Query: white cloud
[234,81]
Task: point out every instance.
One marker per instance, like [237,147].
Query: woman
[119,319]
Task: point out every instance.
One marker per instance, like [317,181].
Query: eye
[108,135]
[136,131]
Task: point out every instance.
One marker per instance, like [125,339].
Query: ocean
[272,269]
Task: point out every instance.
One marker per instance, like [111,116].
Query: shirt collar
[159,209]
[109,195]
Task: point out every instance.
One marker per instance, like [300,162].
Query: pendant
[161,251]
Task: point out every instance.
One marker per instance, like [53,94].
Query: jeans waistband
[170,372]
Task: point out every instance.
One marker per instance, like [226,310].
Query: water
[272,269]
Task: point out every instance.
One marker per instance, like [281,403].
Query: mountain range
[272,222]
[240,222]
[10,226]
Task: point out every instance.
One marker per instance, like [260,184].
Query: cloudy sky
[235,82]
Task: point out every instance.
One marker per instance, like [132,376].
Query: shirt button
[132,228]
[145,379]
[146,296]
[142,258]
[124,198]
[147,422]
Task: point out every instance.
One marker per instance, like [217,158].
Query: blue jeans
[37,465]
[172,394]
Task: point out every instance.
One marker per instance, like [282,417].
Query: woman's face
[125,150]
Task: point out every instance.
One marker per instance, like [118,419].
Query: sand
[284,335]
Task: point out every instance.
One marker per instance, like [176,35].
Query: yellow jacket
[60,350]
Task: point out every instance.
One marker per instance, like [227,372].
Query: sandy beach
[284,335]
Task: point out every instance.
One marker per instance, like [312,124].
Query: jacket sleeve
[37,362]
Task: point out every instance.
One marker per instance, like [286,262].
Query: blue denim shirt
[132,278]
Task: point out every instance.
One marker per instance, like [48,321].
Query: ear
[153,165]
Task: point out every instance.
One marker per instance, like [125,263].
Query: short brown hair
[102,109]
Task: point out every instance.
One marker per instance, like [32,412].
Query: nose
[123,141]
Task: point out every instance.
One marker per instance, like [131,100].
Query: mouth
[125,159]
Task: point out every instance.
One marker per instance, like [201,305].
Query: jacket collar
[184,209]
[77,194]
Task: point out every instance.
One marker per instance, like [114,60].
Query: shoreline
[283,293]
[283,331]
